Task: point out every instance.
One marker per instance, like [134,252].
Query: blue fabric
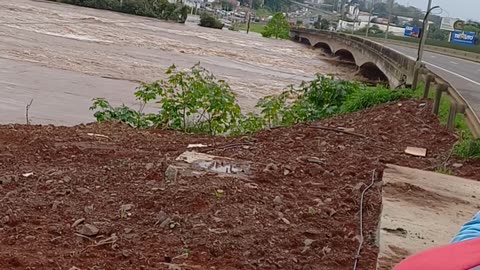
[469,231]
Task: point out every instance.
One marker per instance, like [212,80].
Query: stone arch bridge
[373,59]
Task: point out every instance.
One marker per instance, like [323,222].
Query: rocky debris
[124,208]
[67,179]
[89,209]
[78,222]
[7,179]
[163,219]
[277,200]
[149,166]
[171,174]
[270,168]
[83,190]
[307,243]
[87,230]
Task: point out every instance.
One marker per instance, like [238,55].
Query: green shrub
[207,20]
[368,97]
[277,27]
[317,99]
[160,9]
[193,101]
[467,147]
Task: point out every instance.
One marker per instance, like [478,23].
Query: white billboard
[451,24]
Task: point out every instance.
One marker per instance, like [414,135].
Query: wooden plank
[421,210]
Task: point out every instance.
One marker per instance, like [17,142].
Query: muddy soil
[64,55]
[298,209]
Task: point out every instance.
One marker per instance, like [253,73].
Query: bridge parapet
[397,67]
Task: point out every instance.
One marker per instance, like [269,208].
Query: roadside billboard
[452,24]
[412,31]
[465,38]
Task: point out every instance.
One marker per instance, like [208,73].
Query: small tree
[277,27]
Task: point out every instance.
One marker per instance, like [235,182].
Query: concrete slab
[191,163]
[421,210]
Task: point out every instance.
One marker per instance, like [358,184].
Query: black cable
[357,255]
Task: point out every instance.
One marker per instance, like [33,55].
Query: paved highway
[462,74]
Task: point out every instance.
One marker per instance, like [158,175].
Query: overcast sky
[463,9]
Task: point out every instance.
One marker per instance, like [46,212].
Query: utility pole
[369,18]
[389,18]
[342,8]
[249,17]
[423,38]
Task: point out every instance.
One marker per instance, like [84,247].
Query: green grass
[460,121]
[254,27]
[372,96]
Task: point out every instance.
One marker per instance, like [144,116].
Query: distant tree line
[160,9]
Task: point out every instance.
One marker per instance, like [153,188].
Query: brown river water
[62,56]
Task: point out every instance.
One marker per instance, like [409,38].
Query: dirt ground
[298,209]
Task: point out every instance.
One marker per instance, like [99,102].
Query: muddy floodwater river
[62,56]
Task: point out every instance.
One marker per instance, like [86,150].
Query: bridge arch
[305,41]
[325,47]
[345,55]
[373,73]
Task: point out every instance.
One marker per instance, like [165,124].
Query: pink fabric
[459,256]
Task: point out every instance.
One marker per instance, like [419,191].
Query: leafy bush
[277,27]
[311,101]
[207,20]
[160,9]
[368,97]
[192,101]
[195,101]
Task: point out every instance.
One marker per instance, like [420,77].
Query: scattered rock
[270,168]
[457,165]
[328,200]
[149,166]
[124,208]
[128,230]
[286,172]
[27,174]
[161,217]
[67,179]
[48,182]
[88,230]
[89,209]
[7,179]
[326,250]
[83,190]
[166,223]
[78,222]
[30,238]
[278,200]
[171,174]
[55,205]
[307,243]
[286,221]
